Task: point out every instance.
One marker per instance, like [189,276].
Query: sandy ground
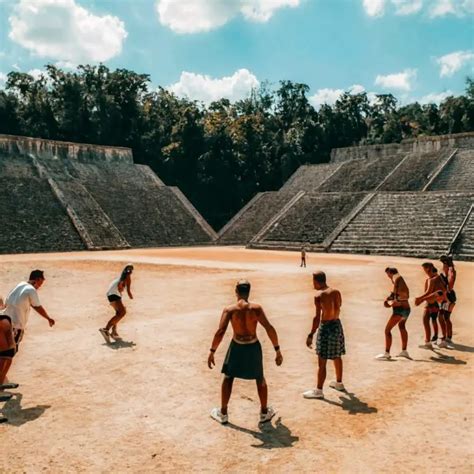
[144,405]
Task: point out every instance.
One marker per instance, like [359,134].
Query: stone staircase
[407,224]
[458,175]
[311,219]
[415,171]
[464,247]
[255,217]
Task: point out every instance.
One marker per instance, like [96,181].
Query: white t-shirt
[18,304]
[114,288]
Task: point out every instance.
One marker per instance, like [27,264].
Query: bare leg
[338,369]
[321,372]
[442,323]
[403,334]
[120,312]
[449,324]
[226,392]
[434,322]
[5,364]
[392,322]
[426,324]
[262,390]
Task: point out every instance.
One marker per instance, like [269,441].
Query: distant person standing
[398,301]
[435,293]
[449,278]
[330,342]
[114,296]
[244,358]
[303,257]
[17,307]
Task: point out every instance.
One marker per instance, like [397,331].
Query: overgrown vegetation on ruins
[222,154]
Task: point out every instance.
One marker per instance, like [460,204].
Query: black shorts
[244,361]
[10,353]
[113,298]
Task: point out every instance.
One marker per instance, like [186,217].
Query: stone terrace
[360,175]
[409,224]
[415,171]
[310,177]
[260,211]
[464,249]
[312,219]
[458,175]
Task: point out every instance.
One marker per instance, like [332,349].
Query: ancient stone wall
[420,145]
[15,145]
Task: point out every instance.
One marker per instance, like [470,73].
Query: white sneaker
[217,415]
[442,344]
[384,356]
[105,335]
[337,386]
[404,354]
[268,415]
[315,393]
[427,345]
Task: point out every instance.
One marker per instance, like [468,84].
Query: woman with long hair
[449,278]
[114,295]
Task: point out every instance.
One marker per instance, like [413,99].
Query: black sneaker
[434,338]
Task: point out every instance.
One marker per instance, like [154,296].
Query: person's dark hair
[447,259]
[243,287]
[391,270]
[37,275]
[320,277]
[428,265]
[126,271]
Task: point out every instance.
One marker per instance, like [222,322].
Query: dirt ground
[144,405]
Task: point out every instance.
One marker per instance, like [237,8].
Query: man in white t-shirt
[19,301]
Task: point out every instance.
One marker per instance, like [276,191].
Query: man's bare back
[244,317]
[330,301]
[435,284]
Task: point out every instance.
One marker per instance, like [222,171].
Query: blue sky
[416,49]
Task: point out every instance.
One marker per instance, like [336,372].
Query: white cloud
[330,96]
[207,89]
[374,7]
[453,62]
[451,7]
[399,81]
[3,80]
[435,98]
[36,73]
[193,16]
[65,31]
[407,7]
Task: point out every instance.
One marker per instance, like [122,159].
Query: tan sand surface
[143,406]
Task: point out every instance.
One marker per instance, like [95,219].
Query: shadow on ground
[352,404]
[270,437]
[17,415]
[120,344]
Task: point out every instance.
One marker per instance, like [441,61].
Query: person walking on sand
[435,293]
[244,356]
[17,308]
[448,276]
[330,342]
[303,257]
[398,301]
[114,295]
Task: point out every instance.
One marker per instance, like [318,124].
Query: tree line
[222,154]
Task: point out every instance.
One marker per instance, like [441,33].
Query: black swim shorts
[113,298]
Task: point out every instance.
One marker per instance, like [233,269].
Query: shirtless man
[303,257]
[398,301]
[449,278]
[330,339]
[244,356]
[435,293]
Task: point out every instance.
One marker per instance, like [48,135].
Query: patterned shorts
[330,342]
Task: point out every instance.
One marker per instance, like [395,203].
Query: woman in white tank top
[114,295]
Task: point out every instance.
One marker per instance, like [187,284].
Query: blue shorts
[403,312]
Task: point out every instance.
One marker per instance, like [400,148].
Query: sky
[207,49]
